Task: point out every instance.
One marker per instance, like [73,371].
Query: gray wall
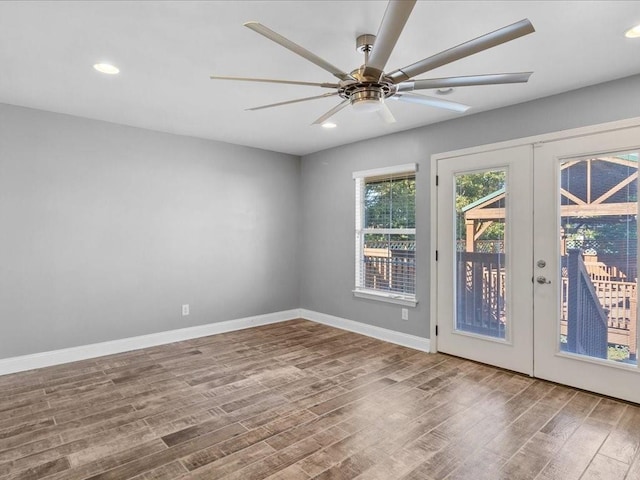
[106,230]
[327,240]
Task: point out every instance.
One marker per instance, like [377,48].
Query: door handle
[542,280]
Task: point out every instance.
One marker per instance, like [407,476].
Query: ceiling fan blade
[295,48]
[331,112]
[500,36]
[471,80]
[431,101]
[269,80]
[394,20]
[386,114]
[293,101]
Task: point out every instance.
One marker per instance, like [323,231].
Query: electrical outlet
[185,310]
[405,314]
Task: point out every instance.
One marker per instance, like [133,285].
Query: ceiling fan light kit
[368,87]
[365,104]
[633,32]
[106,68]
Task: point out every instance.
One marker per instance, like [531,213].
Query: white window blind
[386,234]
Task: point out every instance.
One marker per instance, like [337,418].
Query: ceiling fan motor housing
[366,93]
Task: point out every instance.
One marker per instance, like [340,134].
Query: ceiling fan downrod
[364,44]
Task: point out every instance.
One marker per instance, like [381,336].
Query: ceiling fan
[366,88]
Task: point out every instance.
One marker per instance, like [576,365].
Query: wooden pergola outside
[584,201]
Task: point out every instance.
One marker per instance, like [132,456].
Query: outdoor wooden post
[470,225]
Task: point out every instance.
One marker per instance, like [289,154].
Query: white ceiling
[167,50]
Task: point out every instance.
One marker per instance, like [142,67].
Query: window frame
[360,179]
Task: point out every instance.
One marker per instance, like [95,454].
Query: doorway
[537,259]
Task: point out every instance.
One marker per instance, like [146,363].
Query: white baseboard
[404,339]
[84,352]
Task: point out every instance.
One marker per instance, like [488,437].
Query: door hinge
[436,330]
[437,180]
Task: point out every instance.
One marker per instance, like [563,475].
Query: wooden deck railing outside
[393,271]
[481,300]
[618,299]
[480,291]
[587,327]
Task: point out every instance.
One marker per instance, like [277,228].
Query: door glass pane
[480,274]
[599,257]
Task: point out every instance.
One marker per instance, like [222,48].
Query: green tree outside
[471,187]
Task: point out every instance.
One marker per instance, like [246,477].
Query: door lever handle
[542,280]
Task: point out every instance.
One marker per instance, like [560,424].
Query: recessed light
[107,68]
[329,125]
[633,32]
[444,91]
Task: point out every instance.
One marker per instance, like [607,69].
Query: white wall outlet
[405,314]
[185,310]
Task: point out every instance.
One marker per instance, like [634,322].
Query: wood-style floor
[298,400]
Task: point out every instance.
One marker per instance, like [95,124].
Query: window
[386,234]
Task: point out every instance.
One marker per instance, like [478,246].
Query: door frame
[532,140]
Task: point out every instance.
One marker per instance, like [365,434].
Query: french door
[538,262]
[585,226]
[485,226]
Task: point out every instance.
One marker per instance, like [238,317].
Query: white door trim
[541,138]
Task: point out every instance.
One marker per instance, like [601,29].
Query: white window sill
[386,297]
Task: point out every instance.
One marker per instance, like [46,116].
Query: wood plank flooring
[298,400]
